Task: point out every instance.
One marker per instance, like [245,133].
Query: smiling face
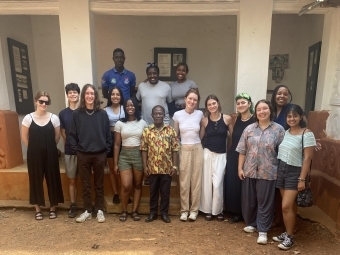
[153,76]
[282,95]
[119,59]
[89,97]
[191,101]
[130,108]
[293,119]
[42,103]
[157,115]
[212,105]
[115,96]
[242,105]
[181,73]
[73,96]
[262,112]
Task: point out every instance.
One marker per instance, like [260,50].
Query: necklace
[251,115]
[89,113]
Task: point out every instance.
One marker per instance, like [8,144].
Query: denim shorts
[287,176]
[130,158]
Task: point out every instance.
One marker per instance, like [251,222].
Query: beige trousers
[190,172]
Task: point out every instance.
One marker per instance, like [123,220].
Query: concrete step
[144,206]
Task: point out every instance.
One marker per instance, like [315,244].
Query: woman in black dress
[232,183]
[41,132]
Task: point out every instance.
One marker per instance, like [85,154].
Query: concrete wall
[293,35]
[18,28]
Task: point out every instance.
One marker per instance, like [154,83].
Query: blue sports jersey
[124,80]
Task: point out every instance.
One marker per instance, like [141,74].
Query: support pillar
[77,42]
[331,72]
[253,44]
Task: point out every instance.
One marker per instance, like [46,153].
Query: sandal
[123,216]
[135,216]
[38,216]
[52,215]
[208,217]
[220,217]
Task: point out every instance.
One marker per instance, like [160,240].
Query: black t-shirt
[65,117]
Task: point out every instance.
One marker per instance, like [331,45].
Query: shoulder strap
[310,169]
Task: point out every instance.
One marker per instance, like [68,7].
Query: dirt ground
[22,234]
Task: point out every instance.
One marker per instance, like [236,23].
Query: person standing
[159,147]
[215,126]
[295,158]
[119,77]
[187,125]
[153,92]
[257,168]
[72,92]
[90,138]
[40,132]
[232,183]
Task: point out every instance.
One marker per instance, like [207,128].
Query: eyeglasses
[151,64]
[42,102]
[216,124]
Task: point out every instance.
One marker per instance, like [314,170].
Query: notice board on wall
[21,76]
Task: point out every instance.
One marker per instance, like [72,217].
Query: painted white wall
[210,43]
[293,35]
[18,28]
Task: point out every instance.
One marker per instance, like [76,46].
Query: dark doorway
[312,76]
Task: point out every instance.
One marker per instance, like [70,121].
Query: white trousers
[212,182]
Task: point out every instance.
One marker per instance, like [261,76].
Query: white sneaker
[249,229]
[262,239]
[83,217]
[184,216]
[193,216]
[100,216]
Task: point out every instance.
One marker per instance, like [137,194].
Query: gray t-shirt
[152,95]
[178,90]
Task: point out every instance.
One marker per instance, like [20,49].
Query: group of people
[266,151]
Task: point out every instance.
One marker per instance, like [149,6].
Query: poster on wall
[167,60]
[21,76]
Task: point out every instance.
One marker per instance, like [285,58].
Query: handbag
[305,197]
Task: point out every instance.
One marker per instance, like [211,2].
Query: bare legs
[113,176]
[131,178]
[289,209]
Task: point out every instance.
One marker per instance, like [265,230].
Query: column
[4,93]
[253,40]
[329,73]
[77,42]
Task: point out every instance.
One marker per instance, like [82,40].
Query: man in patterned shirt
[159,146]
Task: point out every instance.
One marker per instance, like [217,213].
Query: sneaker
[280,238]
[184,216]
[84,216]
[193,216]
[100,216]
[249,229]
[73,211]
[287,243]
[262,239]
[115,199]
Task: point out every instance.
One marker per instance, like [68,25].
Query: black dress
[42,160]
[232,183]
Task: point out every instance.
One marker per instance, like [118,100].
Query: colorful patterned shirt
[260,147]
[159,144]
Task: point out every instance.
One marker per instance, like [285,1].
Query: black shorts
[287,176]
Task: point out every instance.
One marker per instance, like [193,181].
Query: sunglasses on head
[151,64]
[43,101]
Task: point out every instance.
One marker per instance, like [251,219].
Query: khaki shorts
[71,166]
[130,158]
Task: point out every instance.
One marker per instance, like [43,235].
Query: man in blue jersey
[119,76]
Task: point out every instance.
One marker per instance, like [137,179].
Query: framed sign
[21,76]
[167,60]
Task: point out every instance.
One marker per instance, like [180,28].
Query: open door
[312,76]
